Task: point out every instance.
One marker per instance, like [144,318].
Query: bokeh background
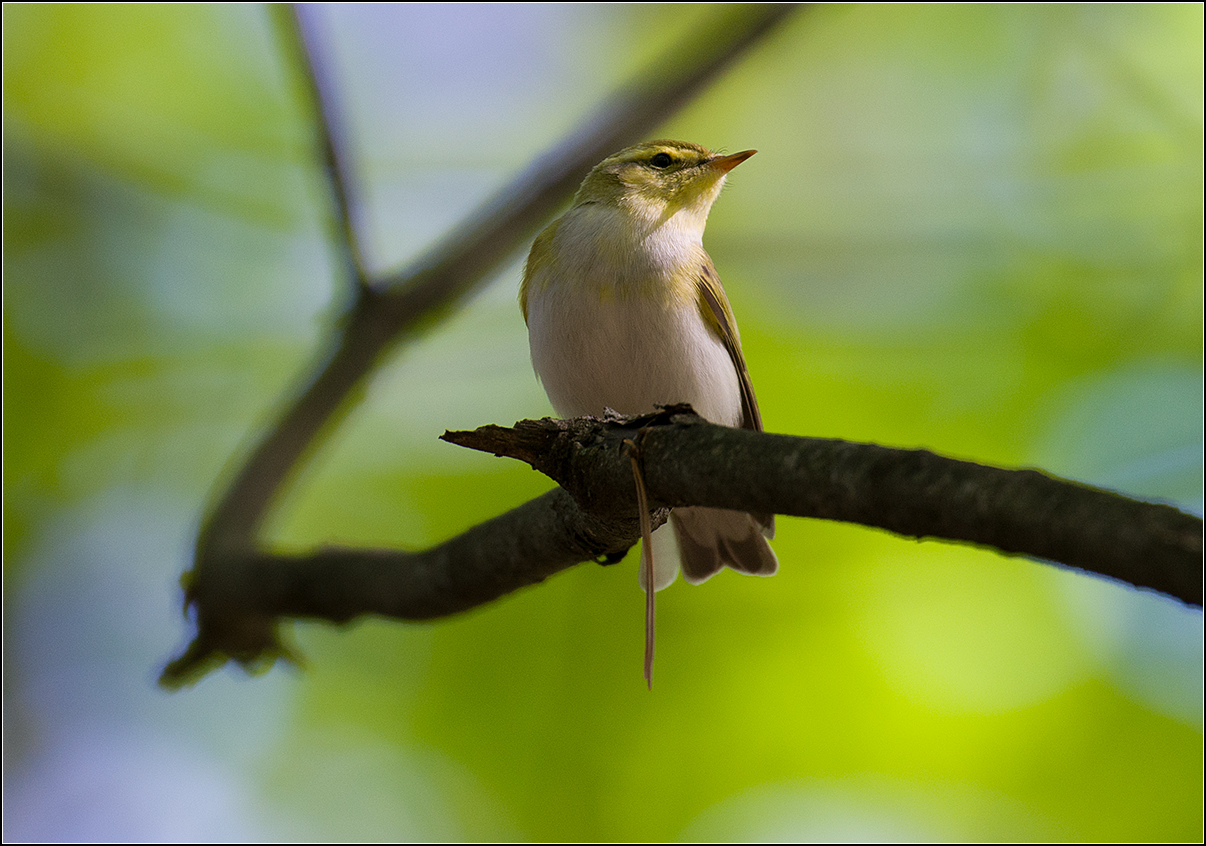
[976,229]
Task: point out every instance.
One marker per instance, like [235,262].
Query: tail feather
[710,539]
[665,560]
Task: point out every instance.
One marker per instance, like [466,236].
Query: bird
[625,311]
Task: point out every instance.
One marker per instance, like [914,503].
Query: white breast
[628,353]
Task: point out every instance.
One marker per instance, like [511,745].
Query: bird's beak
[726,163]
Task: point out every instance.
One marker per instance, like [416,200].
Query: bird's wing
[535,269]
[718,314]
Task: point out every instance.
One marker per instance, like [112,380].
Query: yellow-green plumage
[625,310]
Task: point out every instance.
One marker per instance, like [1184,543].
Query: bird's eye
[661,160]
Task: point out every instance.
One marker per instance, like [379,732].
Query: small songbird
[625,310]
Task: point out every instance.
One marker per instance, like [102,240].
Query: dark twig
[330,134]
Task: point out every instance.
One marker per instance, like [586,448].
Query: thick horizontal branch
[688,461]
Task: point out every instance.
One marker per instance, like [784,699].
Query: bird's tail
[710,539]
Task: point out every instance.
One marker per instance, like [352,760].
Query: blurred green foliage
[976,229]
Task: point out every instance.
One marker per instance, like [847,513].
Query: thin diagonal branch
[400,304]
[330,134]
[458,262]
[407,301]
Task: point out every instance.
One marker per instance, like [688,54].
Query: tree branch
[329,135]
[688,461]
[240,591]
[237,615]
[401,304]
[407,301]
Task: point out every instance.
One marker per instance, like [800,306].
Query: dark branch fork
[241,590]
[388,309]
